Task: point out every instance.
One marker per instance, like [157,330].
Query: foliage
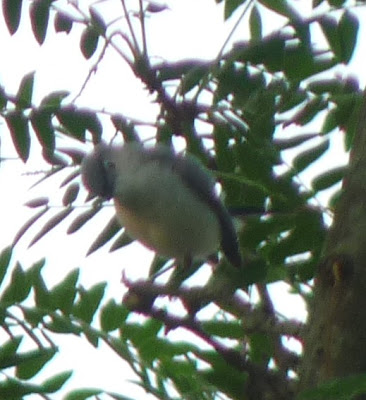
[279,81]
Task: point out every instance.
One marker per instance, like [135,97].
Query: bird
[165,200]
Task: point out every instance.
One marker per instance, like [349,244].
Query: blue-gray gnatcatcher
[166,201]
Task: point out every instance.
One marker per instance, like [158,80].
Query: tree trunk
[335,344]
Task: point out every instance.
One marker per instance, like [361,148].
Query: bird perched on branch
[166,201]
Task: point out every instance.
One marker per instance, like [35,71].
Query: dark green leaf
[97,21]
[81,220]
[225,329]
[231,6]
[3,98]
[283,144]
[123,240]
[39,14]
[127,129]
[70,118]
[41,293]
[348,30]
[5,257]
[32,362]
[255,24]
[329,26]
[71,194]
[52,102]
[88,302]
[307,157]
[192,79]
[63,23]
[18,288]
[110,230]
[281,7]
[89,42]
[12,12]
[52,385]
[112,316]
[51,223]
[64,293]
[41,120]
[62,324]
[19,130]
[82,394]
[25,91]
[328,178]
[28,224]
[7,352]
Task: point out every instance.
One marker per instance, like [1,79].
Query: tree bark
[335,343]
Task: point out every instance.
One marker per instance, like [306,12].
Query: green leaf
[329,26]
[52,102]
[41,292]
[82,394]
[25,91]
[5,257]
[12,10]
[50,224]
[39,14]
[231,6]
[225,329]
[88,302]
[283,144]
[112,316]
[255,24]
[41,120]
[30,363]
[348,30]
[62,324]
[328,178]
[52,385]
[18,288]
[97,21]
[63,294]
[37,202]
[281,7]
[19,130]
[110,230]
[192,78]
[8,350]
[89,42]
[307,157]
[62,22]
[70,119]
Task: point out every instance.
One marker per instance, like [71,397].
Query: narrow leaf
[81,220]
[97,21]
[41,120]
[328,178]
[38,202]
[32,362]
[110,230]
[52,385]
[255,24]
[112,316]
[12,12]
[82,394]
[28,224]
[63,294]
[348,29]
[307,157]
[39,14]
[63,23]
[5,257]
[89,42]
[25,91]
[89,301]
[50,224]
[71,194]
[18,287]
[123,240]
[19,130]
